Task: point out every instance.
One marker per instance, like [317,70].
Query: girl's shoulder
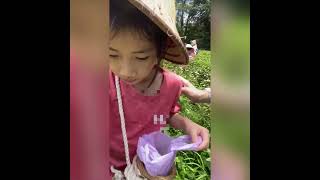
[172,79]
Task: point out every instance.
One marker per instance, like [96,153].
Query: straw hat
[189,46]
[163,14]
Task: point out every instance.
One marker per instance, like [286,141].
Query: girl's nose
[127,72]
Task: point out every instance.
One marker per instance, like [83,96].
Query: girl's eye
[142,58]
[114,56]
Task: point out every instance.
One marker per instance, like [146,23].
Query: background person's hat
[163,14]
[189,46]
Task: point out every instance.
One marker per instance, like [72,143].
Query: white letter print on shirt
[161,122]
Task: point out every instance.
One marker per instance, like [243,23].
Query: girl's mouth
[129,81]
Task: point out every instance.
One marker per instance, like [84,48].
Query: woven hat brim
[175,50]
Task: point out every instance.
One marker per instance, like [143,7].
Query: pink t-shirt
[143,114]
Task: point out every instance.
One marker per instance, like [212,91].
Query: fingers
[204,133]
[185,82]
[189,92]
[188,84]
[184,89]
[194,136]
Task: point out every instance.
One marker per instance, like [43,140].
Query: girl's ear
[164,43]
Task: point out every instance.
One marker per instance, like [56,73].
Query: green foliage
[193,165]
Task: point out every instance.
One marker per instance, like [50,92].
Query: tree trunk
[182,15]
[181,20]
[186,26]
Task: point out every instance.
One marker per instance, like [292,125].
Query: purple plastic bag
[158,151]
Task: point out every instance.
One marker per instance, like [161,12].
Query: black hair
[124,15]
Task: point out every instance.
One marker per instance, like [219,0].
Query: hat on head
[163,14]
[189,46]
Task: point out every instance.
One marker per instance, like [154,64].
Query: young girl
[149,93]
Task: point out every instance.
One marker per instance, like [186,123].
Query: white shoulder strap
[123,126]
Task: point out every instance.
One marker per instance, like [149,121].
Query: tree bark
[182,15]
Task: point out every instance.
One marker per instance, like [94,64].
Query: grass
[194,165]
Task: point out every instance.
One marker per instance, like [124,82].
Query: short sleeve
[176,107]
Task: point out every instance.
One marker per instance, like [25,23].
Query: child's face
[132,57]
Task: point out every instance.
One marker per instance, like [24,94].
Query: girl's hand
[195,130]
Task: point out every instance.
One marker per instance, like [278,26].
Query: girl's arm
[189,127]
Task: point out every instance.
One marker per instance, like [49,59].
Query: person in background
[194,45]
[191,51]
